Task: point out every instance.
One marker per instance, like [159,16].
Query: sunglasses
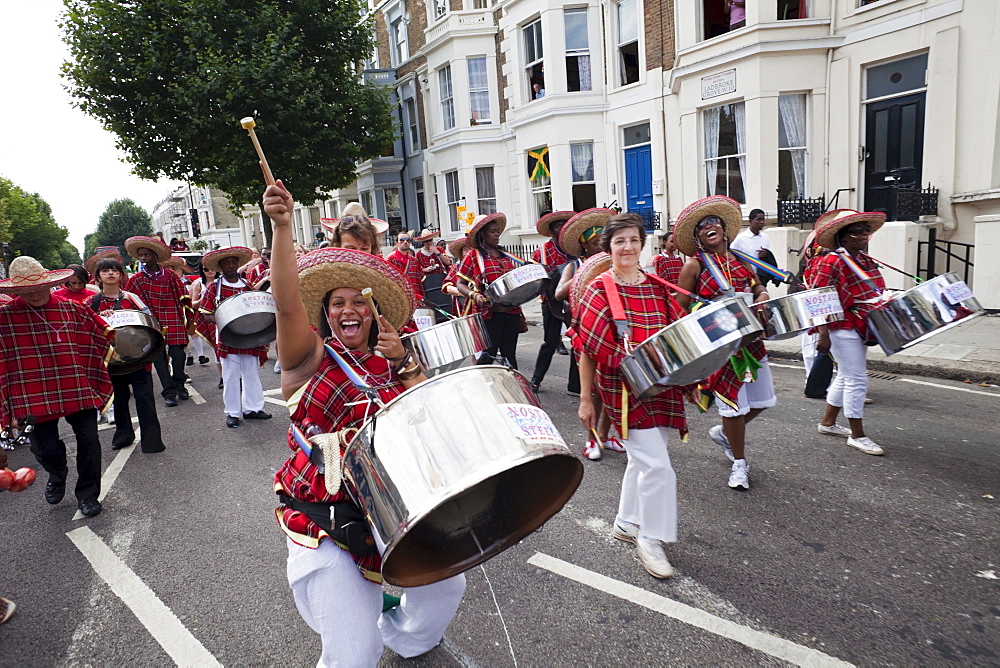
[860,230]
[708,220]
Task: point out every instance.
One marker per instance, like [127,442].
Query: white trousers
[346,610]
[649,487]
[850,386]
[247,368]
[758,394]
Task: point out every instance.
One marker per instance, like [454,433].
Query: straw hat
[832,222]
[26,273]
[426,235]
[160,249]
[569,235]
[174,263]
[584,276]
[717,205]
[456,246]
[327,269]
[211,260]
[483,221]
[91,264]
[545,222]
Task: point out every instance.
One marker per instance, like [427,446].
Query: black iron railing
[650,220]
[930,252]
[800,211]
[911,203]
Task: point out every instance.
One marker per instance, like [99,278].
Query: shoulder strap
[617,308]
[678,311]
[95,302]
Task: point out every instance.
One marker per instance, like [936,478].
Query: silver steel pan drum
[784,317]
[247,320]
[138,341]
[922,311]
[456,470]
[691,349]
[519,286]
[449,345]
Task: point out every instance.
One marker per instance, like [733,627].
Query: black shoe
[561,350]
[535,385]
[54,492]
[257,415]
[170,401]
[124,444]
[183,394]
[90,507]
[220,383]
[190,361]
[232,422]
[202,359]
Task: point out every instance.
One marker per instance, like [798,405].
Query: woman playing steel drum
[647,508]
[743,387]
[859,285]
[327,333]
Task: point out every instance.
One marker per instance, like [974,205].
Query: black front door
[894,149]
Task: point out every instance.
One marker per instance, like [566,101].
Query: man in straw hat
[53,360]
[240,366]
[744,386]
[552,257]
[429,257]
[405,260]
[170,303]
[326,330]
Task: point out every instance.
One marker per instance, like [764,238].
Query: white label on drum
[957,292]
[531,423]
[822,304]
[527,272]
[423,321]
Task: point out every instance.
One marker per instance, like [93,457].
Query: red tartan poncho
[648,310]
[479,269]
[170,303]
[208,306]
[409,266]
[832,270]
[324,404]
[668,267]
[55,367]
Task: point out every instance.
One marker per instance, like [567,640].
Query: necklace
[621,279]
[723,261]
[39,315]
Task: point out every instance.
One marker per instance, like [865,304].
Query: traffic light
[195,224]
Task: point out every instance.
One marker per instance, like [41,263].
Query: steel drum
[691,349]
[138,341]
[247,320]
[785,317]
[455,470]
[519,285]
[922,311]
[449,345]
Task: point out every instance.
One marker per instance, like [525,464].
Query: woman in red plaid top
[667,263]
[647,508]
[325,328]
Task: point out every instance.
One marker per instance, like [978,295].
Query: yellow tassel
[624,428]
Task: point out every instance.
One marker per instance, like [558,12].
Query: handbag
[819,376]
[523,329]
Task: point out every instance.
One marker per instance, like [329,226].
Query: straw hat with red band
[330,268]
[725,208]
[27,274]
[456,246]
[544,224]
[483,221]
[211,260]
[569,235]
[174,263]
[426,235]
[160,249]
[585,275]
[832,222]
[91,264]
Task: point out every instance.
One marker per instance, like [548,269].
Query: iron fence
[930,251]
[912,203]
[800,211]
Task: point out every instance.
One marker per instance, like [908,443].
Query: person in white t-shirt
[753,241]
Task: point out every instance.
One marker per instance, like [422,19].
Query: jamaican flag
[537,163]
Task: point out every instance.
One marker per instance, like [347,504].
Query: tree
[173,78]
[68,254]
[26,223]
[122,219]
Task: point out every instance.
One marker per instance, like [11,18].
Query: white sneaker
[277,367]
[717,435]
[592,450]
[614,445]
[865,445]
[110,415]
[739,476]
[625,531]
[653,558]
[834,430]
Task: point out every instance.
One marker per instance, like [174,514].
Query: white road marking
[280,402]
[785,366]
[763,642]
[274,391]
[949,387]
[111,473]
[159,620]
[105,425]
[195,396]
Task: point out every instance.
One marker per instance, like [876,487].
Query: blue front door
[639,181]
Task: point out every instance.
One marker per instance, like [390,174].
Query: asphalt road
[831,556]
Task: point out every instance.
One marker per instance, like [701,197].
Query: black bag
[557,307]
[820,376]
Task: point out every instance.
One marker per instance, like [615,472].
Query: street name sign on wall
[718,84]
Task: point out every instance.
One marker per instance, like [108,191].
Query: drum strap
[343,522]
[856,268]
[713,269]
[624,332]
[784,276]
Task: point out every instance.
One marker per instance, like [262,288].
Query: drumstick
[367,294]
[597,438]
[248,125]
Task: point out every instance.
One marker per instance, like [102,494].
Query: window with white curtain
[486,190]
[440,8]
[792,146]
[533,69]
[540,179]
[397,36]
[627,15]
[411,120]
[447,98]
[479,90]
[454,196]
[577,50]
[582,164]
[725,150]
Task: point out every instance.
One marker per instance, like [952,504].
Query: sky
[49,147]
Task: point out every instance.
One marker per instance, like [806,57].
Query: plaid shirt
[209,303]
[324,404]
[725,384]
[452,278]
[129,301]
[550,256]
[83,296]
[424,260]
[830,269]
[668,267]
[409,266]
[647,310]
[170,303]
[480,269]
[256,273]
[53,360]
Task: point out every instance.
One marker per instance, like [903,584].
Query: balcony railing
[800,211]
[912,203]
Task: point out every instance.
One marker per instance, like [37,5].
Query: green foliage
[69,254]
[173,78]
[199,245]
[26,223]
[122,219]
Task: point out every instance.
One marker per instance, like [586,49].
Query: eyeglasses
[706,221]
[404,240]
[860,231]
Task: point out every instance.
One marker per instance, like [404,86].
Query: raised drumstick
[248,125]
[367,294]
